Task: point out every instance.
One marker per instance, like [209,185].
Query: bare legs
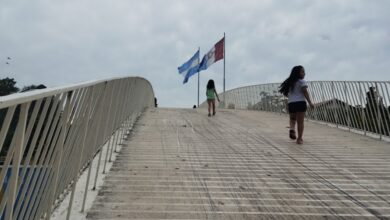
[211,103]
[300,122]
[297,118]
[293,120]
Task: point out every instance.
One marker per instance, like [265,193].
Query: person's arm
[217,95]
[307,96]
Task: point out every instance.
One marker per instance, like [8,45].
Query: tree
[7,86]
[33,87]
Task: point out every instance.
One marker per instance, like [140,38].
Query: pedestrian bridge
[181,164]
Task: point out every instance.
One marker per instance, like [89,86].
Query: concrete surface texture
[181,164]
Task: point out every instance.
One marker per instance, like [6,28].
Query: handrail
[360,106]
[18,98]
[49,136]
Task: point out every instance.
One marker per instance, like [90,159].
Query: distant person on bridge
[211,93]
[295,89]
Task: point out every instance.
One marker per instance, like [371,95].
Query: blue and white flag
[190,67]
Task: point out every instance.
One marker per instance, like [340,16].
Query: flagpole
[224,58]
[198,77]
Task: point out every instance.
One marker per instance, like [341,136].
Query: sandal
[292,135]
[300,141]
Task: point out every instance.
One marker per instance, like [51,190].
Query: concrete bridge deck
[181,164]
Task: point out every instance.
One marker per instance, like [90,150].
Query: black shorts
[294,107]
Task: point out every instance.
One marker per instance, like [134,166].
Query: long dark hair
[210,84]
[289,83]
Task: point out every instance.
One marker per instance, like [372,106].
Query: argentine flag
[190,67]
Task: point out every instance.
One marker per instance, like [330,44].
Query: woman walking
[295,88]
[211,93]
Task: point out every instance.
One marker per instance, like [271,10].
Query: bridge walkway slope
[181,164]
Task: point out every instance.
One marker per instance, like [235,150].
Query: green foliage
[7,86]
[33,87]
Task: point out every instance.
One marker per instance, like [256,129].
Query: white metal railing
[358,105]
[49,136]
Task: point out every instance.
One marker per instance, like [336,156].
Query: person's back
[296,94]
[295,88]
[210,93]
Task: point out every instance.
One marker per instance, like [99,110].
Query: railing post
[370,108]
[314,111]
[116,119]
[347,107]
[362,109]
[353,98]
[119,142]
[253,98]
[57,167]
[17,158]
[110,140]
[97,168]
[319,108]
[323,107]
[116,138]
[55,135]
[269,101]
[85,132]
[86,185]
[379,117]
[334,106]
[385,112]
[95,142]
[342,118]
[123,116]
[236,96]
[113,143]
[109,131]
[105,134]
[53,116]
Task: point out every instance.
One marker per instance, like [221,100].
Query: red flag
[215,54]
[219,46]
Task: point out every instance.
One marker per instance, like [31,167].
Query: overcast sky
[63,42]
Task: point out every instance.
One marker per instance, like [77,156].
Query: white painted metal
[48,137]
[358,106]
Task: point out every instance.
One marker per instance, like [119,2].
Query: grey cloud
[63,42]
[325,37]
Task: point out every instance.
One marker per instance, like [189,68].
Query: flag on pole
[190,67]
[215,54]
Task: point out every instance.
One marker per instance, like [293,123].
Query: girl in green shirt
[211,93]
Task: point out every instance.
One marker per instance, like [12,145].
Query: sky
[59,43]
